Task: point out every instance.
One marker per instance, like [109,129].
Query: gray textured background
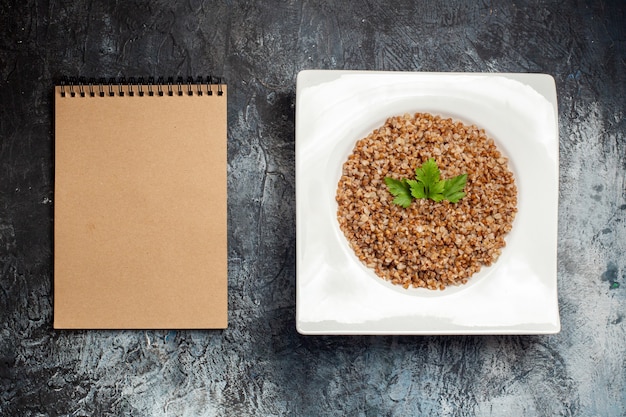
[260,366]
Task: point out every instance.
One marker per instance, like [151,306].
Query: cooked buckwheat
[429,244]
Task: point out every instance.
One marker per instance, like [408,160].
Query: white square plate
[336,293]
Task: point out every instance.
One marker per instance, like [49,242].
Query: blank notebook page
[140,210]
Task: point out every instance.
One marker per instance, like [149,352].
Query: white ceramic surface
[336,293]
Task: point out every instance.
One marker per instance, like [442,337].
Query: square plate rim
[310,77]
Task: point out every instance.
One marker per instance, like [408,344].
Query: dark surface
[260,365]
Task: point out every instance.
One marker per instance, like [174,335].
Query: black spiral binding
[91,87]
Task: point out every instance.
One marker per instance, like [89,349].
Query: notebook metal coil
[120,87]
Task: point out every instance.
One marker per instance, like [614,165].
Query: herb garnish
[427,184]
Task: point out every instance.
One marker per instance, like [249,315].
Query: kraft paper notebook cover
[140,205]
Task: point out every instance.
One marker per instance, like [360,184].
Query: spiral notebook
[140,205]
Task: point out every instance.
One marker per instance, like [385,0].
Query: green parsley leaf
[453,188]
[436,190]
[400,189]
[427,184]
[428,173]
[417,189]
